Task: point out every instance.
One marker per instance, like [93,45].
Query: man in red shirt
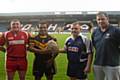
[16,41]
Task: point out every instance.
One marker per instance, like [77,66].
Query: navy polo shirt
[107,46]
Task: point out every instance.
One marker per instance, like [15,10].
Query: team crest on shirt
[107,35]
[68,43]
[22,37]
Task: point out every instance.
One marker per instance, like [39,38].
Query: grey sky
[12,6]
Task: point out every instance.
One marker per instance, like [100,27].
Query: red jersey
[15,43]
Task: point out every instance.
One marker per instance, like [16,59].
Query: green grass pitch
[61,63]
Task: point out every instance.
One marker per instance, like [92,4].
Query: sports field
[61,63]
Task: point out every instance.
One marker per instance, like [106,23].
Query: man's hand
[87,69]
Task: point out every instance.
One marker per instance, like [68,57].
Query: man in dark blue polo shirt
[106,40]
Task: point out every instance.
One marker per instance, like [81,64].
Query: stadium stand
[3,27]
[52,27]
[57,22]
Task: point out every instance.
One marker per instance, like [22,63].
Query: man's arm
[31,46]
[62,50]
[55,54]
[2,42]
[90,51]
[39,51]
[89,63]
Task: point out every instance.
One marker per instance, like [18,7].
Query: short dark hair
[76,23]
[43,23]
[102,13]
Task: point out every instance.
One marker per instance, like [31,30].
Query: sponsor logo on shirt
[73,49]
[14,42]
[10,38]
[107,35]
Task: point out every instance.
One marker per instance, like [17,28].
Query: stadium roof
[69,16]
[58,13]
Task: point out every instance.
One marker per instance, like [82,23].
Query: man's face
[75,30]
[15,26]
[43,30]
[102,21]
